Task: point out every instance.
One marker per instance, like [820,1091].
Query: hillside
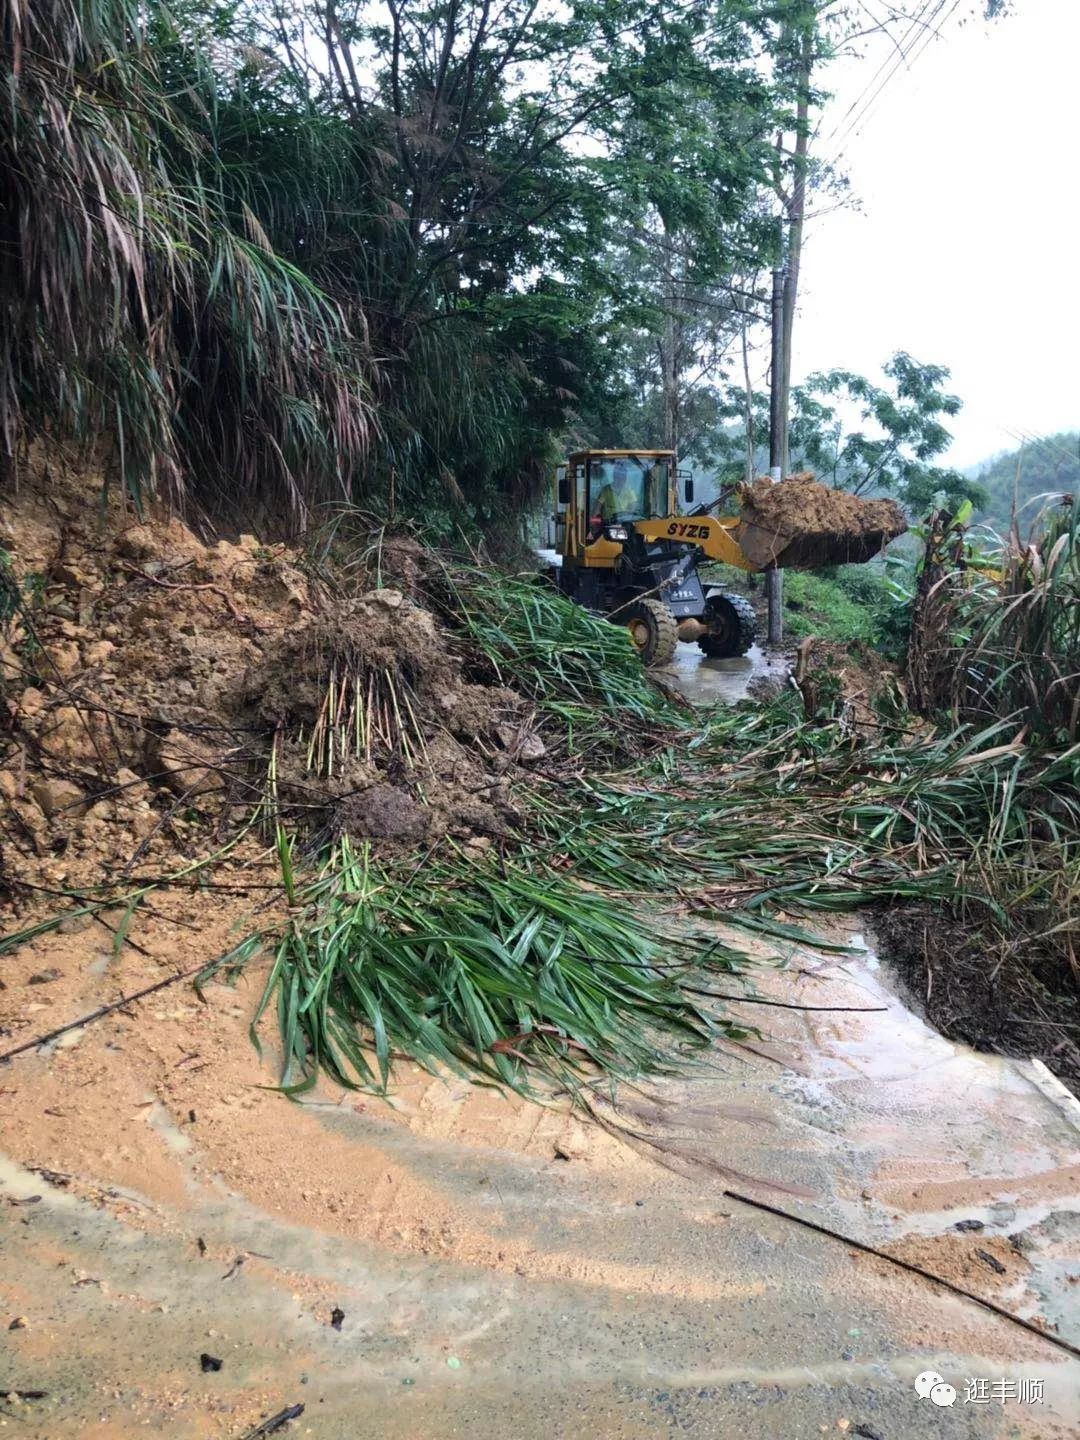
[1049,465]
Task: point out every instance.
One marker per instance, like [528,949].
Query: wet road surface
[557,1281]
[720,682]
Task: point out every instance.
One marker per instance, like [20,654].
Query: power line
[857,102]
[928,28]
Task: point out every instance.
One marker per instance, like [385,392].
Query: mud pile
[148,679]
[799,524]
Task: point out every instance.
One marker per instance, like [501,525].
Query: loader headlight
[616,532]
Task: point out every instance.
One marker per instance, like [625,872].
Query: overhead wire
[925,29]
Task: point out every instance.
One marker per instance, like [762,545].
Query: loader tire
[732,625]
[653,630]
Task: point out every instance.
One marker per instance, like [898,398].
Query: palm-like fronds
[142,301]
[486,968]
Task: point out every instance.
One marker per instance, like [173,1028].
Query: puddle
[720,682]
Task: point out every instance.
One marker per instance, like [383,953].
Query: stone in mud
[58,797]
[188,766]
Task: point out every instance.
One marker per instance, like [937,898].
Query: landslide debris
[799,523]
[147,677]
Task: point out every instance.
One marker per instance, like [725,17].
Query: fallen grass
[492,969]
[575,947]
[572,950]
[581,671]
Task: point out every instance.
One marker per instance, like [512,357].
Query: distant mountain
[1047,466]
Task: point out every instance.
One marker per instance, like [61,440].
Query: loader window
[627,488]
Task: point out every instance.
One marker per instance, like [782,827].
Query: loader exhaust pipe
[691,629]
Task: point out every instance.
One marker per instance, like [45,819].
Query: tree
[1029,477]
[899,434]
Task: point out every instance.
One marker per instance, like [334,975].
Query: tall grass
[996,633]
[141,298]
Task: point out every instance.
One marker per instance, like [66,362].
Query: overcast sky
[967,170]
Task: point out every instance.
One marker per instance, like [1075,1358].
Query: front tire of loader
[653,630]
[732,625]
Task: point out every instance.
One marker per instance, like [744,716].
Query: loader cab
[600,492]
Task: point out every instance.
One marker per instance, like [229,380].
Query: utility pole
[774,578]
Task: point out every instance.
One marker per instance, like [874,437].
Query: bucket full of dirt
[799,524]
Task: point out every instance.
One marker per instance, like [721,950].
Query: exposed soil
[1024,1001]
[800,524]
[850,683]
[146,676]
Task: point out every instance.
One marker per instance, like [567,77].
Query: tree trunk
[796,213]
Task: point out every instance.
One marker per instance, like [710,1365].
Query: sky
[966,171]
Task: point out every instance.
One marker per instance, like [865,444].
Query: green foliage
[815,604]
[227,254]
[902,431]
[1028,478]
[140,298]
[488,968]
[998,633]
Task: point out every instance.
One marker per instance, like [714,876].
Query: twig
[998,1310]
[780,1004]
[274,1423]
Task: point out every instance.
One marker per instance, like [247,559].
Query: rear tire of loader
[653,630]
[732,625]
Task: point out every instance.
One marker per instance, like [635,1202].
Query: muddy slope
[147,676]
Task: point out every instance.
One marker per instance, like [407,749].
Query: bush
[843,604]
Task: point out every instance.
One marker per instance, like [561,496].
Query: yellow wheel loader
[628,553]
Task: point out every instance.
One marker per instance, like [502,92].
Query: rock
[525,748]
[67,734]
[133,786]
[532,748]
[98,652]
[71,577]
[31,701]
[46,977]
[66,657]
[61,798]
[390,599]
[19,1323]
[187,765]
[138,543]
[9,785]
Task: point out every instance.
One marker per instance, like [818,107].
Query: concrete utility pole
[774,578]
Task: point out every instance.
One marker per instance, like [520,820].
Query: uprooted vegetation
[468,786]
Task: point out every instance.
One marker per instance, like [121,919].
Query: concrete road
[503,1269]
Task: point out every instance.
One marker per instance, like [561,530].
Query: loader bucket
[798,524]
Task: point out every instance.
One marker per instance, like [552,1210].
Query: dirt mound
[154,689]
[850,683]
[800,524]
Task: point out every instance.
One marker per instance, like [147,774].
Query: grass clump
[498,970]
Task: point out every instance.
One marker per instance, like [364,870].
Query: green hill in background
[1051,464]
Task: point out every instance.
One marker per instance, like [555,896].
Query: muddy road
[495,1266]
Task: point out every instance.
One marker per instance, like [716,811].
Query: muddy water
[504,1269]
[720,682]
